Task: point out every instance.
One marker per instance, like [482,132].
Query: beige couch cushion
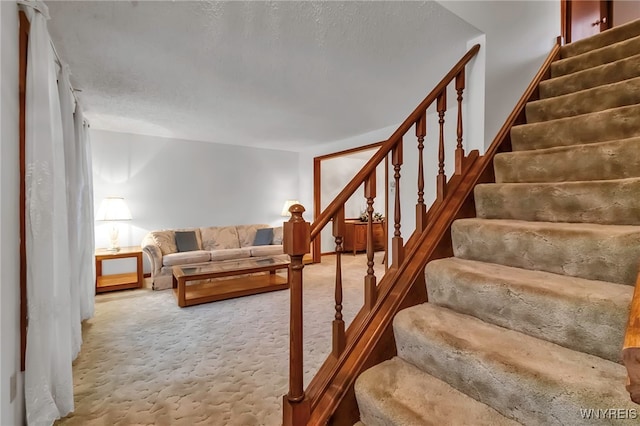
[228,254]
[166,239]
[186,257]
[277,235]
[247,233]
[219,237]
[257,251]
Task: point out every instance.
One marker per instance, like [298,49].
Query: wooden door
[585,18]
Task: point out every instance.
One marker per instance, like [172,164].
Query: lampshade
[287,204]
[113,208]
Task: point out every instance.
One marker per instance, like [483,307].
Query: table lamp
[285,208]
[113,209]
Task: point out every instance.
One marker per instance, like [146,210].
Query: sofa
[198,246]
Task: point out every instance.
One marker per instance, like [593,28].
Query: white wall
[11,412]
[171,183]
[625,11]
[519,36]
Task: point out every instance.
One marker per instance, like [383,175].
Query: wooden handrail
[631,347]
[330,211]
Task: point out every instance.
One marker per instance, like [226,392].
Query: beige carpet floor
[145,361]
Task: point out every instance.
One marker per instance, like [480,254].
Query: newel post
[296,242]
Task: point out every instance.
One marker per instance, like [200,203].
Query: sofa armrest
[152,250]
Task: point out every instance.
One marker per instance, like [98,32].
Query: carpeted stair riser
[530,380]
[614,95]
[393,393]
[613,72]
[594,58]
[619,159]
[612,202]
[612,124]
[605,38]
[584,315]
[595,252]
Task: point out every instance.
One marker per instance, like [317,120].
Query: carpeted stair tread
[605,38]
[613,202]
[527,379]
[593,58]
[611,124]
[613,95]
[589,316]
[398,393]
[618,159]
[622,69]
[596,252]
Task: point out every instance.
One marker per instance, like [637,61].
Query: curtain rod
[42,8]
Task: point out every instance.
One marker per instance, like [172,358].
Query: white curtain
[86,229]
[73,211]
[59,234]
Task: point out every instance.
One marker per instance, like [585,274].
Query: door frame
[317,184]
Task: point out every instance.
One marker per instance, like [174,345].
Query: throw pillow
[264,236]
[186,241]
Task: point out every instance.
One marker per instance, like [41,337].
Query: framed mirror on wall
[331,172]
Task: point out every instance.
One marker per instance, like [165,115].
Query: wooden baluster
[397,244]
[296,242]
[441,180]
[421,209]
[459,147]
[370,291]
[339,339]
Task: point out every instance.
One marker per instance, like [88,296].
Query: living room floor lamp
[113,209]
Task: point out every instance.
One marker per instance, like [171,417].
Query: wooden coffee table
[207,289]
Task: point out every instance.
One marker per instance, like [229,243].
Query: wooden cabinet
[355,236]
[118,281]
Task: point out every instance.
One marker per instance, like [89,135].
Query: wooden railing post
[370,291]
[441,180]
[421,209]
[459,147]
[339,339]
[631,346]
[296,242]
[397,245]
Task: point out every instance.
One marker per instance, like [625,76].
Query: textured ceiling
[281,75]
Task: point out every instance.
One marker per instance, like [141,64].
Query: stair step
[613,72]
[527,379]
[611,124]
[398,393]
[613,95]
[596,252]
[617,159]
[605,38]
[584,315]
[593,58]
[612,202]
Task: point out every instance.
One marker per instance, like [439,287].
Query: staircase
[525,324]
